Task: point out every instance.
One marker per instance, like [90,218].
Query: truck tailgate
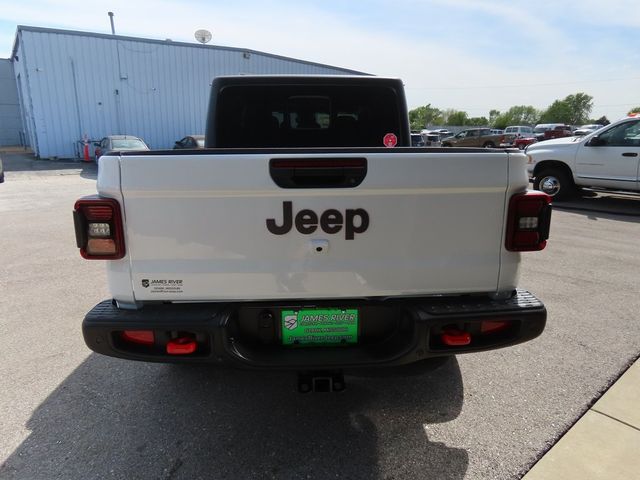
[196,227]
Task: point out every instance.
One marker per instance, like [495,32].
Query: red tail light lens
[97,212]
[528,222]
[99,230]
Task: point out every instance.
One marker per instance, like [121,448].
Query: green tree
[493,115]
[558,112]
[422,116]
[602,121]
[580,106]
[477,121]
[517,115]
[573,110]
[634,110]
[455,117]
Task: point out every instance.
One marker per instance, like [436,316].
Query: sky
[471,55]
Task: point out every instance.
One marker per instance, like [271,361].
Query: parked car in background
[417,140]
[431,139]
[473,137]
[120,143]
[441,132]
[497,131]
[515,131]
[587,129]
[524,142]
[607,159]
[547,131]
[190,141]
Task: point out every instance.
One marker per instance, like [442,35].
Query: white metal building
[9,109]
[74,84]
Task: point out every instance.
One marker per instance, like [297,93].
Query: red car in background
[522,142]
[547,131]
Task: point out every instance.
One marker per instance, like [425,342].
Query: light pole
[113,29]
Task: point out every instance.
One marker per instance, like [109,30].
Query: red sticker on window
[390,140]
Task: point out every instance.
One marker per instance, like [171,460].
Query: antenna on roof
[113,29]
[203,36]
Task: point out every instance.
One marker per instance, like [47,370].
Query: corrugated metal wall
[74,85]
[10,124]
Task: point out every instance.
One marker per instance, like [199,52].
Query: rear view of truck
[299,240]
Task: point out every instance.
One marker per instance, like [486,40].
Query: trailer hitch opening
[321,382]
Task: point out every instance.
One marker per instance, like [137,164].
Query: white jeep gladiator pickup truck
[298,239]
[607,159]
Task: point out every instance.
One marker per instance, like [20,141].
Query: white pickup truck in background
[299,240]
[607,159]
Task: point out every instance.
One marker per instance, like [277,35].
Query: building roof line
[108,36]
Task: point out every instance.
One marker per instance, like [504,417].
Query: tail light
[99,232]
[528,222]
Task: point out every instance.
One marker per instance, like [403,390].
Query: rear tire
[555,183]
[489,145]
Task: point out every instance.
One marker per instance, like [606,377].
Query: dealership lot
[69,413]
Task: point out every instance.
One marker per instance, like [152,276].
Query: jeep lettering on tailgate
[331,221]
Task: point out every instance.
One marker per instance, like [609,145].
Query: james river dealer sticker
[162,285]
[320,327]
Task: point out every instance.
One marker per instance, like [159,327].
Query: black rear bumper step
[393,331]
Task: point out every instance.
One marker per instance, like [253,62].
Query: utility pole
[113,29]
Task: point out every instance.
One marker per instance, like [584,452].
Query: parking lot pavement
[68,413]
[22,164]
[597,203]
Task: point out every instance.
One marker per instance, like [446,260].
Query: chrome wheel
[550,185]
[555,182]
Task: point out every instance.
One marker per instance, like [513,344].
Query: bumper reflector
[492,326]
[142,337]
[456,338]
[181,346]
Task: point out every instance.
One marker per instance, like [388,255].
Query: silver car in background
[118,143]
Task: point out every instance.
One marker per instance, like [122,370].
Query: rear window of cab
[306,116]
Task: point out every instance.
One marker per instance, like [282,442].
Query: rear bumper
[398,331]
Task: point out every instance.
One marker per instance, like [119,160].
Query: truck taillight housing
[528,222]
[99,231]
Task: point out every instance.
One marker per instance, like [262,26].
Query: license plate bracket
[319,326]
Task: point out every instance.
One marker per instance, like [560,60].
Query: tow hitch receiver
[321,382]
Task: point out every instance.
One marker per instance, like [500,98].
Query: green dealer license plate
[332,326]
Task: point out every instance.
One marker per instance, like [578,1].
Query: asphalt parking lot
[68,413]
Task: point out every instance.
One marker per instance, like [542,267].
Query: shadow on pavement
[117,419]
[607,206]
[27,162]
